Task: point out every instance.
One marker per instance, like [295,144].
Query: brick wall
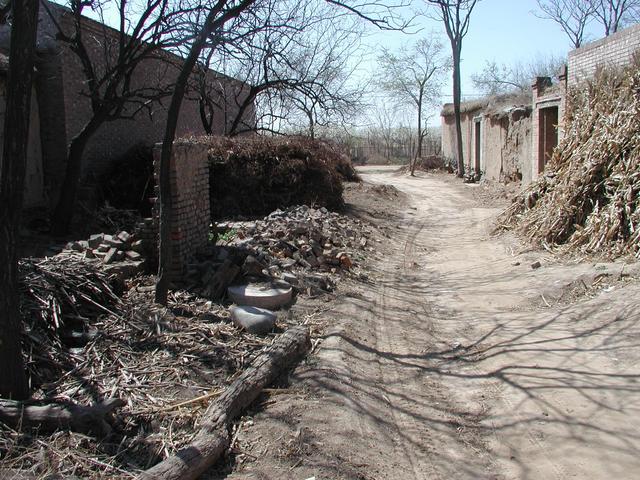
[114,138]
[190,216]
[615,50]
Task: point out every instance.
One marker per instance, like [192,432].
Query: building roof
[494,104]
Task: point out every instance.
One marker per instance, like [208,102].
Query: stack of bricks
[190,213]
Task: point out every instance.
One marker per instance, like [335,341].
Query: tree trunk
[63,212]
[419,148]
[164,181]
[216,19]
[60,416]
[13,381]
[457,94]
[213,439]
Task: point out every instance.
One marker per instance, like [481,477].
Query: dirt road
[459,360]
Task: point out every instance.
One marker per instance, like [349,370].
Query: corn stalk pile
[587,199]
[59,295]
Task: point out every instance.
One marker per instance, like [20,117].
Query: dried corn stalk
[587,199]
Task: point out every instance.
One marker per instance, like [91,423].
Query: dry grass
[587,199]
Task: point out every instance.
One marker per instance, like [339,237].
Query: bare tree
[415,76]
[296,73]
[225,22]
[573,16]
[109,64]
[455,15]
[24,21]
[211,34]
[503,78]
[616,14]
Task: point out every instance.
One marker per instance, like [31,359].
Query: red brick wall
[615,50]
[190,215]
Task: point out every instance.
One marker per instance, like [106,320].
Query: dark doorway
[478,145]
[547,135]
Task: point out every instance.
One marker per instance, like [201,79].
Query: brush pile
[60,298]
[587,199]
[256,175]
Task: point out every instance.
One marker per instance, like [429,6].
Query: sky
[502,30]
[505,31]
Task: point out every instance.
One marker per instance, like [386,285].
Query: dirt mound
[256,175]
[587,199]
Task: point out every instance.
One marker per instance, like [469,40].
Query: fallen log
[59,416]
[213,438]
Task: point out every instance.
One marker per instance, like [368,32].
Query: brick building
[494,148]
[61,107]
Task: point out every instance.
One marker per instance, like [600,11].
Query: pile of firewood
[59,299]
[587,199]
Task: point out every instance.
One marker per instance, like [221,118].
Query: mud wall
[449,151]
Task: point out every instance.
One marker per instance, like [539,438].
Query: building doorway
[547,135]
[477,133]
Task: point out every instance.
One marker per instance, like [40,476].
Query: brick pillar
[190,216]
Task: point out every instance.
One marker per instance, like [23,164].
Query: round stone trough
[262,295]
[253,319]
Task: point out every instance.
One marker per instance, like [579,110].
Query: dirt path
[449,364]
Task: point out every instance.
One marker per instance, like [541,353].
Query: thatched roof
[491,105]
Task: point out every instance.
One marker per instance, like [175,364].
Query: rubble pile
[303,246]
[121,254]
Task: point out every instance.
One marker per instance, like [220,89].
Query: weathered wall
[613,51]
[493,132]
[505,144]
[449,150]
[505,135]
[190,216]
[517,151]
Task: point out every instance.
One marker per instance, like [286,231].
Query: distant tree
[573,16]
[518,77]
[455,15]
[415,76]
[381,133]
[24,22]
